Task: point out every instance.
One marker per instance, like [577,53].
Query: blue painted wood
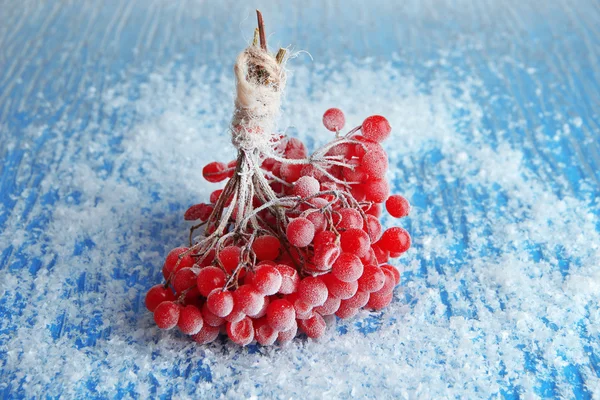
[57,60]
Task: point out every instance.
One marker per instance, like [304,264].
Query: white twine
[260,82]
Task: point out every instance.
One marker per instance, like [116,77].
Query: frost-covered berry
[207,334]
[306,186]
[355,241]
[347,268]
[230,257]
[166,314]
[395,239]
[349,218]
[289,279]
[372,279]
[330,306]
[346,311]
[198,212]
[263,333]
[215,172]
[394,271]
[312,290]
[248,300]
[220,302]
[190,320]
[266,247]
[241,332]
[184,279]
[397,206]
[374,164]
[300,232]
[379,300]
[376,190]
[156,295]
[286,336]
[173,264]
[373,228]
[208,279]
[359,300]
[376,128]
[281,315]
[267,280]
[314,327]
[334,119]
[341,290]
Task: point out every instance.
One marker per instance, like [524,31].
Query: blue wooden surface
[87,210]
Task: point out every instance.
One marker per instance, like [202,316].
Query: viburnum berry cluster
[291,238]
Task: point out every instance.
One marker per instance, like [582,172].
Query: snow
[516,280]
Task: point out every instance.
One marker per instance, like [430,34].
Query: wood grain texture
[58,59]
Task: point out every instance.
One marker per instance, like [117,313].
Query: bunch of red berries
[296,242]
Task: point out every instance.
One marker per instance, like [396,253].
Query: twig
[261,31]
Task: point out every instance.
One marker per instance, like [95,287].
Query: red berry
[220,302]
[289,279]
[394,272]
[174,264]
[346,311]
[306,186]
[347,268]
[156,295]
[330,306]
[397,206]
[349,219]
[266,247]
[334,119]
[358,192]
[373,209]
[357,301]
[190,320]
[184,279]
[300,232]
[354,174]
[210,318]
[291,172]
[166,314]
[314,327]
[248,300]
[312,290]
[325,255]
[372,279]
[287,336]
[376,128]
[267,280]
[376,190]
[374,164]
[281,315]
[263,333]
[215,172]
[214,196]
[241,332]
[210,278]
[355,241]
[381,254]
[379,300]
[207,334]
[395,239]
[198,211]
[303,310]
[373,228]
[339,289]
[230,257]
[207,258]
[318,220]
